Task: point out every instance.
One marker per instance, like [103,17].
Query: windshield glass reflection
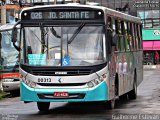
[64,46]
[9,55]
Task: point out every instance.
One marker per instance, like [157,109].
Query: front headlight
[97,81]
[29,83]
[90,84]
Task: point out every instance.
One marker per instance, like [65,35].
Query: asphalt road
[145,107]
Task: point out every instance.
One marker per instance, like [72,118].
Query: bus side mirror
[14,38]
[14,35]
[114,40]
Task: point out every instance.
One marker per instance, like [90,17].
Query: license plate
[61,94]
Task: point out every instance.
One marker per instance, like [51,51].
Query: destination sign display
[63,15]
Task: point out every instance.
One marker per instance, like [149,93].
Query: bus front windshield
[9,55]
[81,45]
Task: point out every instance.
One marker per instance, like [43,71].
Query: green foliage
[2,94]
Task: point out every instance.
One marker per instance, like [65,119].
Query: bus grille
[71,96]
[60,72]
[61,85]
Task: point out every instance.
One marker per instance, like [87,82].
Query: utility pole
[3,12]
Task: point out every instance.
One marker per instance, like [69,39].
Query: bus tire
[133,93]
[111,103]
[116,86]
[43,106]
[123,97]
[15,93]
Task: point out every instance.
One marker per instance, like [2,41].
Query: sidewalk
[151,67]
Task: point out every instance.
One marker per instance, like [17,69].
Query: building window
[150,18]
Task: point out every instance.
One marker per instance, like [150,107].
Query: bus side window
[122,36]
[109,34]
[130,36]
[133,35]
[126,38]
[117,33]
[139,37]
[136,37]
[114,26]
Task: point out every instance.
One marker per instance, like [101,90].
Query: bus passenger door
[112,43]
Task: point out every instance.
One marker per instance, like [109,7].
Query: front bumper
[10,86]
[97,93]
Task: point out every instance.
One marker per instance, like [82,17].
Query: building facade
[10,10]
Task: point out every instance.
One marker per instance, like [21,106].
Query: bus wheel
[133,93]
[123,97]
[15,93]
[111,103]
[43,106]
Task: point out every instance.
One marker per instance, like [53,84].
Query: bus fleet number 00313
[44,80]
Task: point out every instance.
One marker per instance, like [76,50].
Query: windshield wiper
[76,33]
[54,33]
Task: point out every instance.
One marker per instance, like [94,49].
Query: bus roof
[122,15]
[108,11]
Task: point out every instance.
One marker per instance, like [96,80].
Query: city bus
[9,61]
[78,53]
